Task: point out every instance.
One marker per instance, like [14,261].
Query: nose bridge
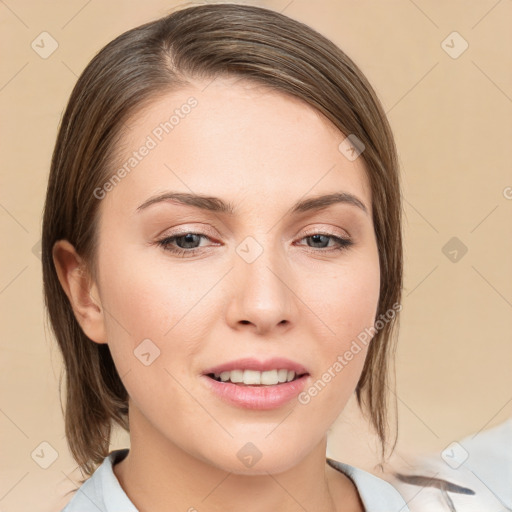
[261,279]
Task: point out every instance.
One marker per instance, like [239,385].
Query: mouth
[255,378]
[262,386]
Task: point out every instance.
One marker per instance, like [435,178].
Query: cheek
[158,314]
[346,299]
[148,299]
[346,306]
[152,329]
[143,306]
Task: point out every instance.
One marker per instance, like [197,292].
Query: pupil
[317,237]
[189,239]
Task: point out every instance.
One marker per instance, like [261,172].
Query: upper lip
[250,363]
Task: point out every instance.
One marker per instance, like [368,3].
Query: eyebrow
[215,204]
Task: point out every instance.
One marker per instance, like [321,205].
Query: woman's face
[261,281]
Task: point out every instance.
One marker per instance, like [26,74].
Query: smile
[255,378]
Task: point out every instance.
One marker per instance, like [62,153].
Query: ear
[81,291]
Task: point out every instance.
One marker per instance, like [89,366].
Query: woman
[223,265]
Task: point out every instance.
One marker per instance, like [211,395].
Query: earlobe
[81,291]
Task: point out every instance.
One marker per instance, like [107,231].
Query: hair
[156,58]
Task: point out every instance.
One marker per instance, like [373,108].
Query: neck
[159,476]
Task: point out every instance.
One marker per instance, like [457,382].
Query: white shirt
[102,492]
[480,466]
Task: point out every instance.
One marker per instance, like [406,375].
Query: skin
[262,151]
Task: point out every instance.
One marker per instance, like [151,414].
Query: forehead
[231,137]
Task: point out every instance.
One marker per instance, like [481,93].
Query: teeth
[224,376]
[269,378]
[282,375]
[235,376]
[253,377]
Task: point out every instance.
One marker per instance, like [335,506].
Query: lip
[257,397]
[250,363]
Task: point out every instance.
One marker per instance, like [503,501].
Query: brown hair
[202,41]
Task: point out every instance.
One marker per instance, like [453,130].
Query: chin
[249,460]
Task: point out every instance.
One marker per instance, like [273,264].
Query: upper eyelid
[202,231]
[320,231]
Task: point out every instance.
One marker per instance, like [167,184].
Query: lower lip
[256,397]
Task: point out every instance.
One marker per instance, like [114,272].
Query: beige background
[452,122]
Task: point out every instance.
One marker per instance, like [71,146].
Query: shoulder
[102,492]
[376,494]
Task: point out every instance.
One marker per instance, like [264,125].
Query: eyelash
[343,243]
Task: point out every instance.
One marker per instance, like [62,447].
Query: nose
[262,296]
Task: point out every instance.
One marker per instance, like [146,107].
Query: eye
[187,243]
[320,239]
